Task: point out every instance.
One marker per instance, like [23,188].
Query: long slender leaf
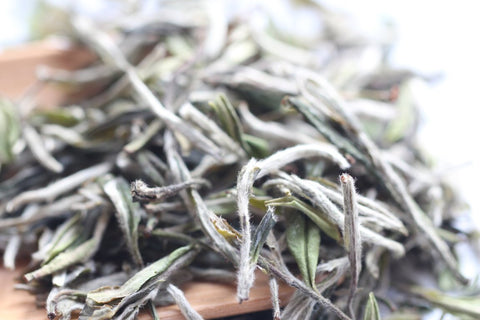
[127,213]
[372,312]
[314,214]
[303,239]
[458,305]
[9,131]
[261,233]
[108,294]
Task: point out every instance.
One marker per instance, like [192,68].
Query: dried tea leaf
[58,187]
[80,253]
[303,239]
[228,118]
[286,156]
[187,310]
[225,229]
[372,312]
[35,143]
[246,266]
[65,236]
[351,234]
[154,270]
[261,233]
[127,213]
[151,122]
[9,131]
[316,215]
[140,190]
[462,306]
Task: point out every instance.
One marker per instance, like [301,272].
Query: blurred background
[436,39]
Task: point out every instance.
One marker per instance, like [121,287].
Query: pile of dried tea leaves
[218,146]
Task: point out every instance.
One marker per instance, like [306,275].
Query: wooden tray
[17,74]
[211,300]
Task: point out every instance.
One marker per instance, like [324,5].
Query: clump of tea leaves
[215,148]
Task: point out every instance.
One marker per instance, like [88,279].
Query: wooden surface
[17,74]
[209,299]
[18,70]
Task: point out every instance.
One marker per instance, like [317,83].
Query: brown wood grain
[211,300]
[17,74]
[18,70]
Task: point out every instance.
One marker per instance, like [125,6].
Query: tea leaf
[246,267]
[380,168]
[310,190]
[457,305]
[228,118]
[187,311]
[261,233]
[372,311]
[65,236]
[303,239]
[351,234]
[110,52]
[154,270]
[273,286]
[35,143]
[225,229]
[127,213]
[140,190]
[283,157]
[59,187]
[9,131]
[140,141]
[74,255]
[317,216]
[273,98]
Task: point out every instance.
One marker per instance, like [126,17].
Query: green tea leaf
[457,305]
[261,233]
[74,255]
[66,236]
[371,309]
[108,294]
[230,123]
[259,148]
[315,214]
[65,259]
[127,213]
[303,239]
[9,131]
[60,116]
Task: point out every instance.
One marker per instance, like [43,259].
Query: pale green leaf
[260,236]
[126,211]
[9,131]
[303,239]
[372,311]
[107,294]
[457,305]
[315,214]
